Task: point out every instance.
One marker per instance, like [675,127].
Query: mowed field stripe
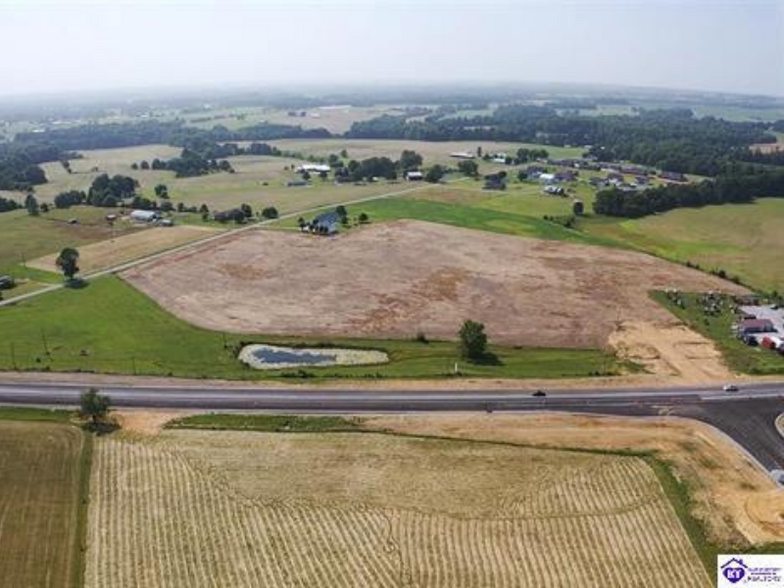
[161,519]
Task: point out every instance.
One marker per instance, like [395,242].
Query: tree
[66,165]
[31,204]
[68,262]
[246,210]
[410,160]
[94,406]
[434,174]
[344,154]
[161,191]
[468,168]
[473,340]
[342,213]
[145,165]
[271,212]
[363,218]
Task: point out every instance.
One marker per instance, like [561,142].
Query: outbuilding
[415,176]
[144,216]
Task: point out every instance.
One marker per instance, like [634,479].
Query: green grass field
[743,239]
[43,473]
[112,328]
[739,356]
[24,238]
[516,211]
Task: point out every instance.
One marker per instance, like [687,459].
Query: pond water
[271,355]
[276,357]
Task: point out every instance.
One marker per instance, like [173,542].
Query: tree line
[672,139]
[742,184]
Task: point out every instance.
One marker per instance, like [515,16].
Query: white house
[415,176]
[462,155]
[314,168]
[144,216]
[546,178]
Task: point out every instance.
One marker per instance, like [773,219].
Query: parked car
[539,393]
[730,388]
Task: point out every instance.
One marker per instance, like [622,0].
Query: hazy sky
[60,45]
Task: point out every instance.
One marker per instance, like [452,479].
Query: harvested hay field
[268,509]
[738,503]
[40,471]
[126,248]
[393,280]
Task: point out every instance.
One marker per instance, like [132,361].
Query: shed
[144,216]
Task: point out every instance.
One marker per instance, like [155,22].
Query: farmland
[517,211]
[410,276]
[127,247]
[41,469]
[24,238]
[742,239]
[241,509]
[432,152]
[110,327]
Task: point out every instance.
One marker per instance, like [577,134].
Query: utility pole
[13,357]
[46,345]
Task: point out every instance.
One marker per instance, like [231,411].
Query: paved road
[748,417]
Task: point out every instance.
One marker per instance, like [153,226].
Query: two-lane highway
[747,416]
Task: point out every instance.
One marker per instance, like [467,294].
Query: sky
[53,46]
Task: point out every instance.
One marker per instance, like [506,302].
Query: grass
[512,214]
[743,239]
[24,237]
[42,485]
[14,413]
[739,356]
[110,327]
[266,423]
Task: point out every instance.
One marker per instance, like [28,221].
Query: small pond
[275,357]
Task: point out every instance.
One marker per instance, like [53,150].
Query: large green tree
[94,406]
[473,340]
[68,262]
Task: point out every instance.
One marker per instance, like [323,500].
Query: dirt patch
[119,250]
[733,496]
[396,279]
[670,349]
[147,422]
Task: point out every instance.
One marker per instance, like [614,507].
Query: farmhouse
[495,181]
[672,176]
[546,178]
[314,168]
[327,223]
[144,216]
[415,176]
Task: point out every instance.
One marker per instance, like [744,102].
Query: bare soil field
[735,499]
[39,502]
[125,248]
[267,509]
[670,349]
[393,280]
